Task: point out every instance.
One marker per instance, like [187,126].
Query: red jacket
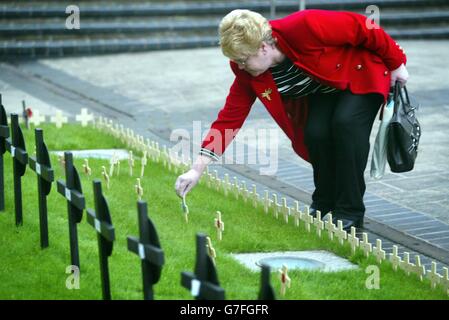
[334,48]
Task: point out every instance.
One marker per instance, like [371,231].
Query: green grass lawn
[27,272]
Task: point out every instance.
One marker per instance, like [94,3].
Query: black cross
[75,204]
[4,134]
[100,219]
[149,250]
[266,290]
[20,161]
[45,176]
[203,284]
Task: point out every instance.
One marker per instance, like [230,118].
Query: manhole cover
[291,262]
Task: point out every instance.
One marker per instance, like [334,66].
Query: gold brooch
[266,94]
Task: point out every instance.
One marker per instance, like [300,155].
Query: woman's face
[258,63]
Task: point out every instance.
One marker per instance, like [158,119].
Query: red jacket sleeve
[340,28]
[230,118]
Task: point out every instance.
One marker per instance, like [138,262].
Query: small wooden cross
[285,209]
[105,175]
[84,117]
[236,188]
[340,233]
[406,265]
[226,184]
[378,252]
[308,220]
[297,213]
[219,225]
[36,119]
[419,269]
[434,277]
[395,259]
[61,161]
[112,162]
[445,280]
[353,239]
[185,208]
[244,191]
[330,226]
[139,189]
[87,170]
[210,250]
[285,279]
[366,246]
[255,196]
[217,181]
[266,94]
[319,224]
[58,119]
[144,163]
[131,163]
[276,205]
[267,202]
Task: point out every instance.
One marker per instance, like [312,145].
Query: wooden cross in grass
[434,277]
[86,169]
[297,213]
[395,259]
[285,209]
[36,119]
[340,233]
[131,163]
[84,117]
[378,252]
[219,225]
[144,163]
[353,239]
[267,202]
[285,279]
[58,119]
[330,226]
[319,224]
[365,245]
[210,250]
[105,176]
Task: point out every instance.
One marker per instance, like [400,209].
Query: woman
[322,75]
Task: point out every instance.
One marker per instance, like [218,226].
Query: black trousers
[337,137]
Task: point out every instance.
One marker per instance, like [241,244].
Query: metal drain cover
[291,262]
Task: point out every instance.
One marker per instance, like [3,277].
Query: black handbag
[404,132]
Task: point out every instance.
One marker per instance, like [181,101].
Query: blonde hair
[242,32]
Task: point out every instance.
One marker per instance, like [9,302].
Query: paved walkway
[158,92]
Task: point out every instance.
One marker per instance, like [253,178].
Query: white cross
[406,265]
[445,280]
[267,202]
[244,191]
[236,188]
[365,245]
[36,119]
[353,239]
[378,252]
[210,250]
[255,196]
[285,209]
[319,224]
[131,163]
[419,269]
[139,189]
[330,226]
[144,163]
[217,181]
[434,277]
[226,185]
[58,119]
[285,279]
[276,205]
[84,117]
[308,219]
[105,176]
[395,259]
[340,233]
[219,225]
[296,213]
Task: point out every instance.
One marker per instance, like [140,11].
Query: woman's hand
[400,74]
[186,182]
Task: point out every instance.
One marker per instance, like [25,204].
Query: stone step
[33,9]
[186,25]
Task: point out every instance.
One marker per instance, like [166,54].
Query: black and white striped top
[293,82]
